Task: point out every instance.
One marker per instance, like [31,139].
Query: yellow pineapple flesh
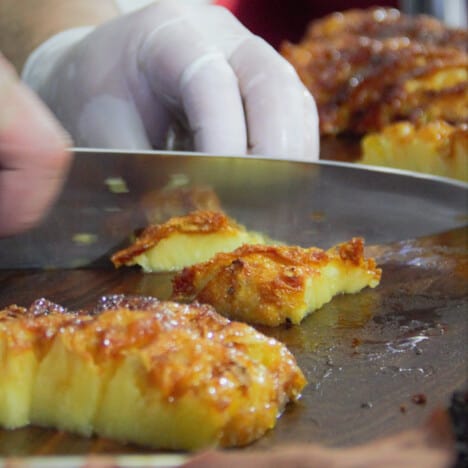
[18,365]
[184,241]
[436,148]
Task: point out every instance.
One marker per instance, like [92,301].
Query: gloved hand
[33,155]
[131,82]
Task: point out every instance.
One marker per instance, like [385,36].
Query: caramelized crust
[156,373]
[382,23]
[369,68]
[270,285]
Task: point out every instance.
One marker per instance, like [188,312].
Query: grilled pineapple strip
[270,285]
[184,241]
[135,369]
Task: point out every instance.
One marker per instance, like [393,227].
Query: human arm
[26,24]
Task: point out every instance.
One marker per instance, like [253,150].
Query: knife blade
[317,203]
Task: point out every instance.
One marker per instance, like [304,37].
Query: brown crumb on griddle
[356,342]
[419,399]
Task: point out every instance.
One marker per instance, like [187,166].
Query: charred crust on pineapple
[381,22]
[11,312]
[183,283]
[352,251]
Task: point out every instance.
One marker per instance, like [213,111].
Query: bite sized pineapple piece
[68,387]
[159,374]
[18,364]
[26,336]
[184,241]
[436,148]
[270,285]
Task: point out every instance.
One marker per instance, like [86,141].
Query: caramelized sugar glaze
[369,68]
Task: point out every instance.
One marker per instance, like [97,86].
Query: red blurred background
[277,20]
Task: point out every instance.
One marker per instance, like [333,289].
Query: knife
[303,203]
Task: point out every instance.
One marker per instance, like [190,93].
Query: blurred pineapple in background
[436,148]
[395,84]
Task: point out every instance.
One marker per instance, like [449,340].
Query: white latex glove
[128,82]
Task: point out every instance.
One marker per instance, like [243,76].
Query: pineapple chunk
[270,285]
[434,148]
[159,374]
[128,410]
[25,338]
[184,241]
[18,365]
[67,387]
